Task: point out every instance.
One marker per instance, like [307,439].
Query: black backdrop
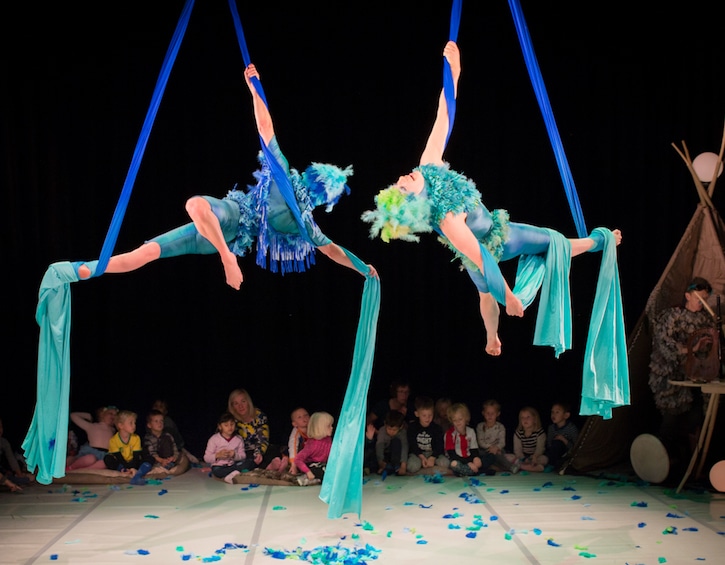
[347,83]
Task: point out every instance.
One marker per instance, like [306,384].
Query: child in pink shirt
[312,458]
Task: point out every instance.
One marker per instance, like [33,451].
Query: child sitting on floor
[530,441]
[312,458]
[298,436]
[425,439]
[460,442]
[125,453]
[159,445]
[391,447]
[225,450]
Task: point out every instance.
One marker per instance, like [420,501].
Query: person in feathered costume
[433,197]
[230,226]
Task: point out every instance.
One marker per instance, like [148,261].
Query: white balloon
[704,165]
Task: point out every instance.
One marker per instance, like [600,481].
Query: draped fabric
[342,486]
[553,321]
[605,379]
[46,442]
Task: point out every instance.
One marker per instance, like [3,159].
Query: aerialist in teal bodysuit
[230,226]
[435,197]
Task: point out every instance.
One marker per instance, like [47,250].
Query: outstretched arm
[335,252]
[462,238]
[433,152]
[261,112]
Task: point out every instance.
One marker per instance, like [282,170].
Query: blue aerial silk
[45,445]
[110,242]
[543,98]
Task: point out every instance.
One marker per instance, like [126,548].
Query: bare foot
[232,271]
[514,306]
[493,347]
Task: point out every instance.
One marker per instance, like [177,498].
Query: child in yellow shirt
[125,453]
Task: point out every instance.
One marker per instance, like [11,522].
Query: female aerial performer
[435,197]
[230,225]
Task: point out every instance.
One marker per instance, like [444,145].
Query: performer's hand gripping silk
[435,197]
[229,226]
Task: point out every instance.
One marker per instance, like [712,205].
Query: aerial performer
[434,197]
[230,226]
[286,238]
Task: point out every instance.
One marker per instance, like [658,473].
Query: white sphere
[704,165]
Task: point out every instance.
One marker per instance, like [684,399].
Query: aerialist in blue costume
[435,197]
[229,226]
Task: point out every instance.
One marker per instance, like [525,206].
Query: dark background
[348,83]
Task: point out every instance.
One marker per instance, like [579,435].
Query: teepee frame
[700,252]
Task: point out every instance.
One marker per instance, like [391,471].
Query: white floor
[521,519]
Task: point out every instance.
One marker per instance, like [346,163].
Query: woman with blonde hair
[253,427]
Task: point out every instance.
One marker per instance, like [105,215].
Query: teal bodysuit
[260,213]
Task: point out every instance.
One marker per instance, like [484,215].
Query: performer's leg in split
[205,235]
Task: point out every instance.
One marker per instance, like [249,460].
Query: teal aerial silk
[46,442]
[342,485]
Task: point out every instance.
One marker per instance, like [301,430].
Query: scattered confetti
[153,516]
[162,492]
[552,543]
[328,555]
[672,515]
[471,535]
[641,524]
[279,508]
[639,504]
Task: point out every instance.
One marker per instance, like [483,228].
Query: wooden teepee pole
[711,188]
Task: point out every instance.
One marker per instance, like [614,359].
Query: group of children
[306,456]
[112,442]
[405,446]
[436,435]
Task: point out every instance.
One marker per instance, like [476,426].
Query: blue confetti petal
[552,543]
